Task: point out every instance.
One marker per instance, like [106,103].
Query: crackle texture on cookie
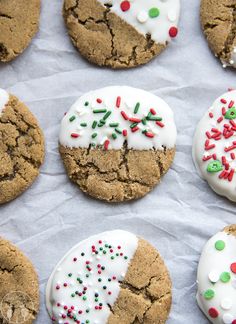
[104,38]
[21,149]
[116,175]
[231,229]
[19,288]
[218,19]
[19,21]
[145,295]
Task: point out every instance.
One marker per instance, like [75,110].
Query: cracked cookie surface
[21,149]
[19,21]
[19,288]
[218,19]
[117,277]
[106,39]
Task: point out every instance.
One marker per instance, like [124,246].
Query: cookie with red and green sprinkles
[216,277]
[121,33]
[117,142]
[214,146]
[113,277]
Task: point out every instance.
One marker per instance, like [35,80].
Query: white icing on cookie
[159,18]
[214,146]
[217,299]
[4,98]
[86,281]
[113,115]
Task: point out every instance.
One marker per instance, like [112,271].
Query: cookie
[214,146]
[19,287]
[218,24]
[21,147]
[121,34]
[113,277]
[117,142]
[216,277]
[19,22]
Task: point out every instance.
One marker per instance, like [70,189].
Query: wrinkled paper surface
[178,216]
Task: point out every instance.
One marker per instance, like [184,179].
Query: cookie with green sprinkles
[110,278]
[117,142]
[121,33]
[216,277]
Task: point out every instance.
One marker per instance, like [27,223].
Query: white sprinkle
[172,16]
[226,303]
[231,62]
[227,318]
[142,17]
[214,276]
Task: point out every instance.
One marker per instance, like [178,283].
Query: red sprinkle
[222,174]
[211,115]
[231,175]
[213,312]
[173,31]
[150,135]
[135,120]
[233,267]
[118,100]
[234,321]
[231,104]
[208,135]
[106,144]
[152,111]
[124,115]
[134,129]
[232,156]
[158,123]
[74,135]
[206,158]
[125,5]
[219,120]
[223,101]
[124,132]
[223,111]
[99,100]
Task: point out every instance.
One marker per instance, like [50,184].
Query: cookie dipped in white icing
[158,18]
[4,98]
[216,279]
[110,116]
[87,279]
[214,146]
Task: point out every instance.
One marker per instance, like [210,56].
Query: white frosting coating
[138,16]
[232,61]
[4,98]
[214,140]
[159,134]
[217,299]
[84,276]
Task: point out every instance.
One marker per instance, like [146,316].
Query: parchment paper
[179,216]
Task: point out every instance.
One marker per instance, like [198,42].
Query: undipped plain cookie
[19,21]
[110,278]
[218,24]
[19,287]
[117,142]
[121,34]
[21,147]
[216,277]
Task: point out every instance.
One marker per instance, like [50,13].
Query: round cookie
[218,24]
[216,277]
[19,21]
[19,287]
[113,277]
[21,147]
[214,146]
[117,142]
[121,34]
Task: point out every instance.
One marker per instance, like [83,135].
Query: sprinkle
[83,124]
[72,118]
[124,115]
[220,245]
[94,135]
[154,12]
[223,101]
[150,135]
[211,115]
[213,312]
[114,136]
[136,108]
[233,267]
[173,32]
[134,129]
[114,124]
[232,156]
[133,125]
[209,294]
[118,130]
[74,135]
[144,121]
[98,111]
[225,277]
[152,111]
[231,175]
[160,124]
[118,101]
[106,115]
[99,100]
[231,104]
[124,132]
[106,144]
[86,103]
[94,124]
[125,5]
[135,120]
[219,120]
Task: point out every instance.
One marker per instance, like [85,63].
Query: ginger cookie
[113,277]
[216,277]
[219,26]
[121,34]
[117,142]
[214,146]
[19,287]
[19,22]
[21,147]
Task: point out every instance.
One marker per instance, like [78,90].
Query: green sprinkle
[87,322]
[209,294]
[98,111]
[94,124]
[225,277]
[144,131]
[96,299]
[72,118]
[86,103]
[220,245]
[136,108]
[87,275]
[83,124]
[118,130]
[114,136]
[214,166]
[106,115]
[101,248]
[104,252]
[84,298]
[73,295]
[112,257]
[153,118]
[87,310]
[99,279]
[231,113]
[102,121]
[154,12]
[94,135]
[144,121]
[104,287]
[114,124]
[69,274]
[101,124]
[106,245]
[125,257]
[133,125]
[93,144]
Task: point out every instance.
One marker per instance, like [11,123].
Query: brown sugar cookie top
[19,21]
[219,26]
[113,277]
[19,287]
[121,34]
[21,147]
[117,142]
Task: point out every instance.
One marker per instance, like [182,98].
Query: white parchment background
[179,216]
